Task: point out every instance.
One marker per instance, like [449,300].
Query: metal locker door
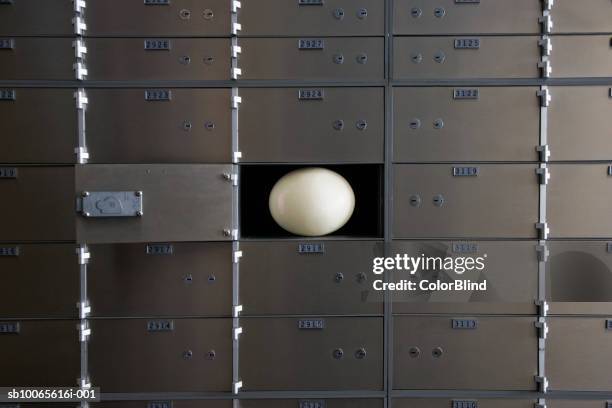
[188,18]
[498,353]
[471,124]
[36,17]
[38,204]
[318,277]
[417,17]
[328,18]
[460,402]
[24,58]
[585,16]
[576,353]
[510,270]
[312,125]
[50,272]
[159,126]
[579,189]
[312,403]
[143,59]
[357,59]
[180,355]
[579,277]
[555,403]
[153,203]
[339,353]
[579,122]
[38,125]
[161,403]
[132,280]
[579,56]
[466,57]
[479,201]
[39,353]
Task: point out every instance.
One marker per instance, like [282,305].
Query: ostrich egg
[312,201]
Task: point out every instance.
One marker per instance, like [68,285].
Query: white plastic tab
[237,332]
[237,310]
[237,157]
[236,101]
[235,6]
[236,387]
[236,27]
[237,256]
[236,72]
[236,49]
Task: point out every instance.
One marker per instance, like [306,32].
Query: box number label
[466,93]
[310,94]
[160,249]
[465,171]
[464,324]
[311,404]
[157,45]
[9,251]
[160,325]
[312,324]
[156,95]
[7,95]
[465,404]
[311,44]
[7,43]
[9,328]
[318,248]
[8,172]
[465,248]
[467,43]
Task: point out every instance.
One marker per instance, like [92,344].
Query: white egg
[312,201]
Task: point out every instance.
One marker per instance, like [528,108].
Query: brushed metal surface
[38,205]
[503,124]
[276,126]
[276,355]
[573,403]
[125,357]
[510,272]
[126,281]
[501,354]
[180,203]
[38,59]
[501,202]
[332,18]
[445,403]
[39,126]
[194,126]
[37,17]
[174,403]
[585,16]
[414,17]
[581,56]
[338,281]
[280,58]
[497,57]
[306,402]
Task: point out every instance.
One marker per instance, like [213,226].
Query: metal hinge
[236,310]
[236,101]
[236,256]
[548,4]
[542,307]
[79,25]
[231,233]
[543,253]
[81,99]
[544,152]
[236,387]
[540,404]
[233,177]
[236,156]
[545,97]
[542,327]
[79,5]
[236,72]
[82,155]
[80,70]
[546,44]
[547,21]
[83,255]
[84,309]
[84,332]
[237,332]
[80,49]
[235,25]
[545,66]
[542,383]
[543,175]
[543,229]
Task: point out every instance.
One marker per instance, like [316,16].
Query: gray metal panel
[277,126]
[44,353]
[331,18]
[453,17]
[280,58]
[38,59]
[445,403]
[124,356]
[577,201]
[37,17]
[576,354]
[41,281]
[584,16]
[38,126]
[510,272]
[186,59]
[312,402]
[581,56]
[579,277]
[276,355]
[500,202]
[572,403]
[497,57]
[500,354]
[38,205]
[338,281]
[579,122]
[132,280]
[174,404]
[191,18]
[180,202]
[193,126]
[501,124]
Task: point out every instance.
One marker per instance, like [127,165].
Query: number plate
[157,45]
[106,204]
[8,172]
[310,2]
[609,324]
[160,249]
[9,251]
[9,328]
[160,325]
[466,93]
[467,43]
[7,95]
[465,404]
[7,43]
[312,324]
[311,94]
[465,248]
[464,324]
[159,404]
[465,171]
[311,404]
[318,248]
[155,95]
[311,44]
[157,2]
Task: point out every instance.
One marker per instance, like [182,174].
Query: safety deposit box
[506,273]
[165,403]
[38,203]
[160,279]
[462,402]
[579,56]
[159,126]
[576,351]
[321,58]
[417,17]
[187,18]
[309,277]
[23,58]
[465,353]
[39,353]
[153,203]
[572,403]
[158,59]
[466,57]
[579,189]
[40,280]
[337,125]
[466,123]
[255,403]
[308,17]
[480,200]
[161,355]
[36,17]
[311,353]
[584,16]
[38,125]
